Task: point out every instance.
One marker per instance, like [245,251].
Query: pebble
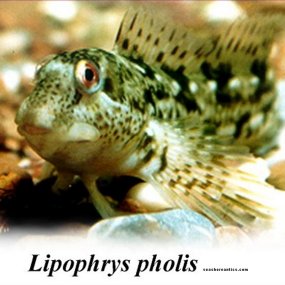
[14,41]
[147,198]
[175,226]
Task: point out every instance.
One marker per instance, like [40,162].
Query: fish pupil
[89,74]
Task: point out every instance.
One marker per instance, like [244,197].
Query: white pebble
[14,41]
[148,197]
[223,11]
[24,163]
[11,79]
[64,11]
[59,38]
[28,70]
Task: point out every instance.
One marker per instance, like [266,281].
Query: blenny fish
[183,112]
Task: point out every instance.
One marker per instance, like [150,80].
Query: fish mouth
[31,129]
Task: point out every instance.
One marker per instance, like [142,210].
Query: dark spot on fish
[215,42]
[191,183]
[182,55]
[204,185]
[266,108]
[161,94]
[133,22]
[180,69]
[172,35]
[183,97]
[221,74]
[248,50]
[125,44]
[186,193]
[108,86]
[148,156]
[172,183]
[199,52]
[159,113]
[156,42]
[209,176]
[240,123]
[160,56]
[145,142]
[218,187]
[99,118]
[200,164]
[137,105]
[218,54]
[148,70]
[135,47]
[230,43]
[208,168]
[163,159]
[148,37]
[254,51]
[119,33]
[139,33]
[149,99]
[174,50]
[77,97]
[258,68]
[236,47]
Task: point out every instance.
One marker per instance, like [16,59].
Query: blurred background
[32,30]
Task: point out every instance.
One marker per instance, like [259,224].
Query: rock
[144,198]
[177,226]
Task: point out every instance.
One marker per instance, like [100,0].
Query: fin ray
[223,191]
[142,36]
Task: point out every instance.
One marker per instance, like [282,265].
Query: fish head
[74,101]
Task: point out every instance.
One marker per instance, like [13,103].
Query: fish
[190,114]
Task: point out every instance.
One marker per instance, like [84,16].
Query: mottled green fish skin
[168,126]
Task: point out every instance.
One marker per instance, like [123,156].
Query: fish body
[178,111]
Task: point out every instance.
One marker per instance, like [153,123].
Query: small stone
[177,226]
[14,41]
[62,11]
[143,196]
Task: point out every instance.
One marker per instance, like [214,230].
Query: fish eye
[87,76]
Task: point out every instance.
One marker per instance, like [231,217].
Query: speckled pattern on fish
[178,110]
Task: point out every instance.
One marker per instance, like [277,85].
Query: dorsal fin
[244,42]
[155,41]
[143,36]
